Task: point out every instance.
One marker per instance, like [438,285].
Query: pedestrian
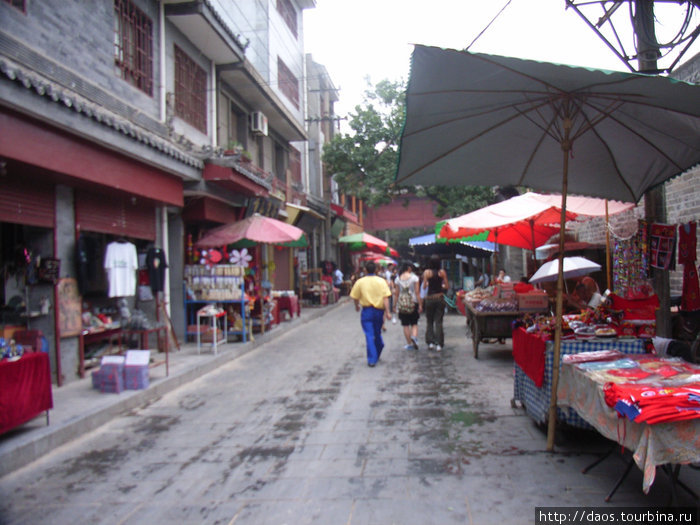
[408,304]
[435,279]
[502,277]
[371,295]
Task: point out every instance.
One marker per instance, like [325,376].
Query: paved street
[300,430]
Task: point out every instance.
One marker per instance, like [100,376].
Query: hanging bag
[406,304]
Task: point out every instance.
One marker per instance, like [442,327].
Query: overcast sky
[355,39]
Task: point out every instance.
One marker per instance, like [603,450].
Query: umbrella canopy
[360,242]
[486,119]
[428,245]
[573,267]
[382,260]
[473,118]
[253,230]
[522,221]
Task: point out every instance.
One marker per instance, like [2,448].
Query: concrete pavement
[302,431]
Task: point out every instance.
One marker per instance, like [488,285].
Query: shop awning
[231,178]
[344,213]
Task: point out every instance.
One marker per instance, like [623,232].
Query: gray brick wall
[77,35]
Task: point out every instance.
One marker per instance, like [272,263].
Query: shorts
[410,319]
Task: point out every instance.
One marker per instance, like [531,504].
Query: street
[301,430]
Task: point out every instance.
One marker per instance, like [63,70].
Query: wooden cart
[493,325]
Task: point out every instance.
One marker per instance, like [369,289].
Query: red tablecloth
[528,353]
[25,389]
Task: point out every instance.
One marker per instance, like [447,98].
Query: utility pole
[654,201]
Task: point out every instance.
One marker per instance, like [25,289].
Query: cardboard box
[533,301]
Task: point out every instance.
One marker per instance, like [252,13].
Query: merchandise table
[674,442]
[26,389]
[531,353]
[290,303]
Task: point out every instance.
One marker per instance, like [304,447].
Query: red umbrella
[522,221]
[360,242]
[253,230]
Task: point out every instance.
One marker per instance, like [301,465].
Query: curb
[47,439]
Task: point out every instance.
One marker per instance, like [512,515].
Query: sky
[355,39]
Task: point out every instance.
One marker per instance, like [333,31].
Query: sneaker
[438,348]
[393,319]
[415,342]
[408,347]
[431,346]
[371,365]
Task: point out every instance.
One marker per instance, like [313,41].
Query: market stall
[662,427]
[491,311]
[534,361]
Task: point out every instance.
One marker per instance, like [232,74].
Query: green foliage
[363,162]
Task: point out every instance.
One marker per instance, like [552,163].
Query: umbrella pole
[607,244]
[552,422]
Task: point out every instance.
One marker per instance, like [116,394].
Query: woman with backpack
[408,304]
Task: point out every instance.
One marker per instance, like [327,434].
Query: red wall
[396,215]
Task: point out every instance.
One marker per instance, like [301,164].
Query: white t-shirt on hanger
[121,263]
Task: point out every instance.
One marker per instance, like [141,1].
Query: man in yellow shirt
[371,294]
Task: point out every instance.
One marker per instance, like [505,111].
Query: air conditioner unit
[258,123]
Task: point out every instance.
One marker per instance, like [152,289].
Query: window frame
[288,82]
[190,90]
[133,45]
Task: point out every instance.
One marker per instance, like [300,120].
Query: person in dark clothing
[435,279]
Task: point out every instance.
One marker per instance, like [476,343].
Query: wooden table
[88,337]
[25,390]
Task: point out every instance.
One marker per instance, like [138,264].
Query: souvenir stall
[116,301]
[624,321]
[244,243]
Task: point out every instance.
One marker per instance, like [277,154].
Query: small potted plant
[233,148]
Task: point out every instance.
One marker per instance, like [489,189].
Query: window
[288,83]
[289,15]
[133,45]
[190,91]
[295,164]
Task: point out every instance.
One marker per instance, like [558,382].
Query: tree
[363,163]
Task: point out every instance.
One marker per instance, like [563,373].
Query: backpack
[405,303]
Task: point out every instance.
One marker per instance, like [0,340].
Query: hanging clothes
[687,243]
[663,246]
[121,263]
[156,264]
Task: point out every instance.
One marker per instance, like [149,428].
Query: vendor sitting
[586,296]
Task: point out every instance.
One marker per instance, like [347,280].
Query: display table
[534,354]
[88,337]
[289,303]
[675,443]
[25,389]
[492,325]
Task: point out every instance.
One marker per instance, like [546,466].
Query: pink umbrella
[253,230]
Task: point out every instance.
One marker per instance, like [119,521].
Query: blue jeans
[372,320]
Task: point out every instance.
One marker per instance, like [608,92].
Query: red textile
[522,287]
[656,404]
[687,242]
[25,389]
[663,246]
[528,353]
[639,309]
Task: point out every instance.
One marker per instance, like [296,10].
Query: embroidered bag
[405,304]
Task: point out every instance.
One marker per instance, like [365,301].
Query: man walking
[371,294]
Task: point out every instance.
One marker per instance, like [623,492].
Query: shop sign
[265,207]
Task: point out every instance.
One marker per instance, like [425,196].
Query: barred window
[133,45]
[19,4]
[190,91]
[289,15]
[288,83]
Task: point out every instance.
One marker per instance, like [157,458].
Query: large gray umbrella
[476,119]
